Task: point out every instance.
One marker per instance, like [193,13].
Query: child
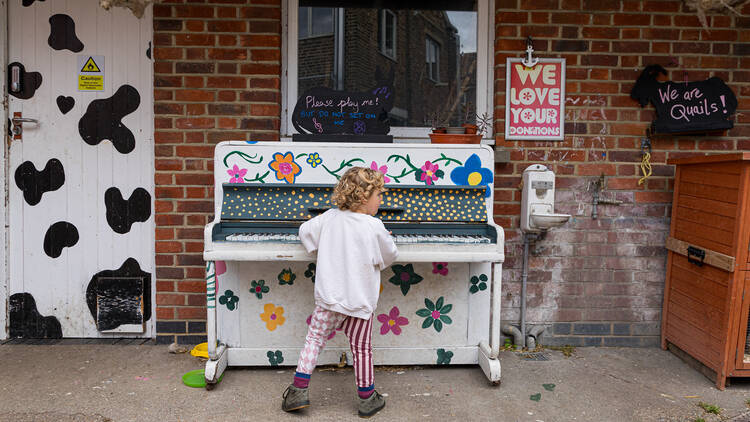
[353,247]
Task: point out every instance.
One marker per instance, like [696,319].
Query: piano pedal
[342,361]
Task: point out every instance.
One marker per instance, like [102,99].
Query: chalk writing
[697,106]
[327,111]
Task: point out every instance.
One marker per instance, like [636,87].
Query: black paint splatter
[121,213]
[62,34]
[59,235]
[103,119]
[148,50]
[113,295]
[10,125]
[65,104]
[35,183]
[27,3]
[30,82]
[25,321]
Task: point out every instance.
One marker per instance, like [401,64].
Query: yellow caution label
[90,82]
[90,66]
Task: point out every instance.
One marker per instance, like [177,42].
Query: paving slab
[98,382]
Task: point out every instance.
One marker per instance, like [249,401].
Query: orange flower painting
[285,167]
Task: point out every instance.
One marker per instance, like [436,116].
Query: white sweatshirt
[352,250]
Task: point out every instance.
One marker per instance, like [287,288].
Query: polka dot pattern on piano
[285,202]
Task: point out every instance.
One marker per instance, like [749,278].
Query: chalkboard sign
[698,106]
[327,111]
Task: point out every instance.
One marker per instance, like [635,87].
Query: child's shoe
[295,398]
[371,405]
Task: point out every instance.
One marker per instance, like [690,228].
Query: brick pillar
[217,68]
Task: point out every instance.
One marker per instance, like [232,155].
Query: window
[432,58]
[387,33]
[452,47]
[315,21]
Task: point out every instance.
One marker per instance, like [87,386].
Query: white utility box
[538,200]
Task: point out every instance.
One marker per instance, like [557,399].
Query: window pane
[429,87]
[322,20]
[304,13]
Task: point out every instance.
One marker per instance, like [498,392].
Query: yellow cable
[645,167]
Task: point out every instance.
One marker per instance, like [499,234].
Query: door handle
[18,124]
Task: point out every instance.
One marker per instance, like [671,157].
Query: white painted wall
[3,174]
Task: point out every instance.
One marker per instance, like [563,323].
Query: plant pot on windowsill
[454,138]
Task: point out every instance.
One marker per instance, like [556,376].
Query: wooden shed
[705,302]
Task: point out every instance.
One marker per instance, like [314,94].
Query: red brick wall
[601,280]
[596,282]
[216,77]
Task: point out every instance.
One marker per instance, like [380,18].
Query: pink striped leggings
[359,331]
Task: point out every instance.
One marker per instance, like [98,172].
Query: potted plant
[468,133]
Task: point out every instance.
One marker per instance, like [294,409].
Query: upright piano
[439,303]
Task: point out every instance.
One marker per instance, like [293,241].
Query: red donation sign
[535,100]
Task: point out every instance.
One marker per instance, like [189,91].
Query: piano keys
[439,209]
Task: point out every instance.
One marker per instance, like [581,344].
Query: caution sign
[91,73]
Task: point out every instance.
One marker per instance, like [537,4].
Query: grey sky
[466,23]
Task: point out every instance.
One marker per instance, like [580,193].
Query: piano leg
[489,359]
[217,361]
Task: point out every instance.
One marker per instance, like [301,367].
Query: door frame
[3,174]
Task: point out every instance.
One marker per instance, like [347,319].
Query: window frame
[485,71]
[431,42]
[394,31]
[310,24]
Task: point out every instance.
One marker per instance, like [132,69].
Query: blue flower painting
[473,174]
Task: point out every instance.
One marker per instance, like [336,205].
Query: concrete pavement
[90,382]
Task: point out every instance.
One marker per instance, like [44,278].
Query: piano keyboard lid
[300,202]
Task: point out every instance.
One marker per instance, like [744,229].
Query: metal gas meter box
[538,200]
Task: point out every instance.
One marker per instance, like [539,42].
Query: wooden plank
[708,219]
[705,272]
[702,242]
[695,175]
[716,193]
[694,341]
[3,126]
[706,205]
[718,158]
[703,291]
[715,259]
[705,318]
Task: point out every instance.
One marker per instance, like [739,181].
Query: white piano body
[446,282]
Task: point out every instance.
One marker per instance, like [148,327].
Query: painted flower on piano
[404,276]
[383,169]
[229,299]
[314,160]
[236,174]
[286,276]
[440,268]
[435,314]
[429,173]
[258,288]
[285,167]
[273,316]
[444,356]
[478,283]
[392,322]
[473,174]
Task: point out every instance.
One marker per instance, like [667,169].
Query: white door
[81,180]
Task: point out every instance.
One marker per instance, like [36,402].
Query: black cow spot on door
[148,50]
[60,235]
[121,296]
[65,104]
[26,322]
[35,183]
[103,119]
[121,213]
[30,82]
[62,34]
[27,3]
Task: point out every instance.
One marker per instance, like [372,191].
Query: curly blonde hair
[356,186]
